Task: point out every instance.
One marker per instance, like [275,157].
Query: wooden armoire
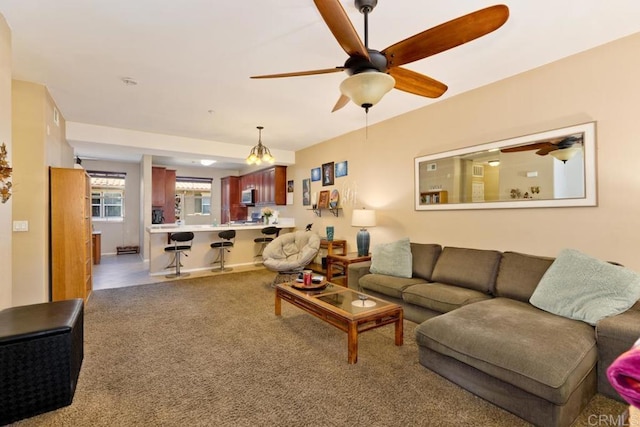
[70,237]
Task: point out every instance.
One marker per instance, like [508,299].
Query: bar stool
[177,249]
[228,237]
[267,234]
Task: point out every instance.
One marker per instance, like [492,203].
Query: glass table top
[342,298]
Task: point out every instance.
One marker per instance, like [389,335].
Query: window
[202,203]
[107,195]
[193,196]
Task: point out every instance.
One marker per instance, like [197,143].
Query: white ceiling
[192,60]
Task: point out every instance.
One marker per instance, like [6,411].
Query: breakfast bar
[201,256]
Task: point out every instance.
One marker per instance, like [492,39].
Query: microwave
[248,197]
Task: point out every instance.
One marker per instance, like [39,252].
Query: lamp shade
[564,154]
[363,218]
[367,88]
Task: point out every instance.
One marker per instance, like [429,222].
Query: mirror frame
[589,147]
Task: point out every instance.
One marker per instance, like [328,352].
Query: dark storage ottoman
[41,351]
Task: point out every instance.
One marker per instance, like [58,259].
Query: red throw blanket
[624,375]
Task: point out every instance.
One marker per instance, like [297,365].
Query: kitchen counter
[239,225]
[201,255]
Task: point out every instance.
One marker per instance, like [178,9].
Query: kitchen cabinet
[258,180]
[163,192]
[170,196]
[270,185]
[247,182]
[71,234]
[276,184]
[157,186]
[232,209]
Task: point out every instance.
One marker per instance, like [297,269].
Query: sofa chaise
[478,329]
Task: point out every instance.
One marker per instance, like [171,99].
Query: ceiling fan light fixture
[260,153]
[564,154]
[367,89]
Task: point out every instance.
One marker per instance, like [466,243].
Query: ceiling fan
[382,69]
[545,147]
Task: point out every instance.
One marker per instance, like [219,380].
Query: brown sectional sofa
[478,329]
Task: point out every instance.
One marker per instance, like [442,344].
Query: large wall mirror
[555,168]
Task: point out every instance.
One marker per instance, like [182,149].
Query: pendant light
[260,153]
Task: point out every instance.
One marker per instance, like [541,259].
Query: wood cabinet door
[268,181]
[170,196]
[237,211]
[224,200]
[259,186]
[157,187]
[280,185]
[231,208]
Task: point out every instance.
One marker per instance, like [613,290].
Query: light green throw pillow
[580,287]
[392,259]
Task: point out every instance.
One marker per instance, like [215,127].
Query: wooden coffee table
[344,309]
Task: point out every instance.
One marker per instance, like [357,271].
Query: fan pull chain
[366,125]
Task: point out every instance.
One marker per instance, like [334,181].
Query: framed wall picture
[342,169]
[327,174]
[290,192]
[306,192]
[323,200]
[315,174]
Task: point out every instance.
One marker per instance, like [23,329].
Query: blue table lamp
[363,218]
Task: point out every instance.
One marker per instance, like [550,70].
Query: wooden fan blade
[338,22]
[300,73]
[546,150]
[342,101]
[529,147]
[446,36]
[416,83]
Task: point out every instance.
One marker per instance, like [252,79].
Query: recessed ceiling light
[205,162]
[129,81]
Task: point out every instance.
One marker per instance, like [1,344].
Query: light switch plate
[20,225]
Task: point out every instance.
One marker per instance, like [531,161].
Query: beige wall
[38,144]
[598,85]
[5,137]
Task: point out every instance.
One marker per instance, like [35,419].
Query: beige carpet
[210,352]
